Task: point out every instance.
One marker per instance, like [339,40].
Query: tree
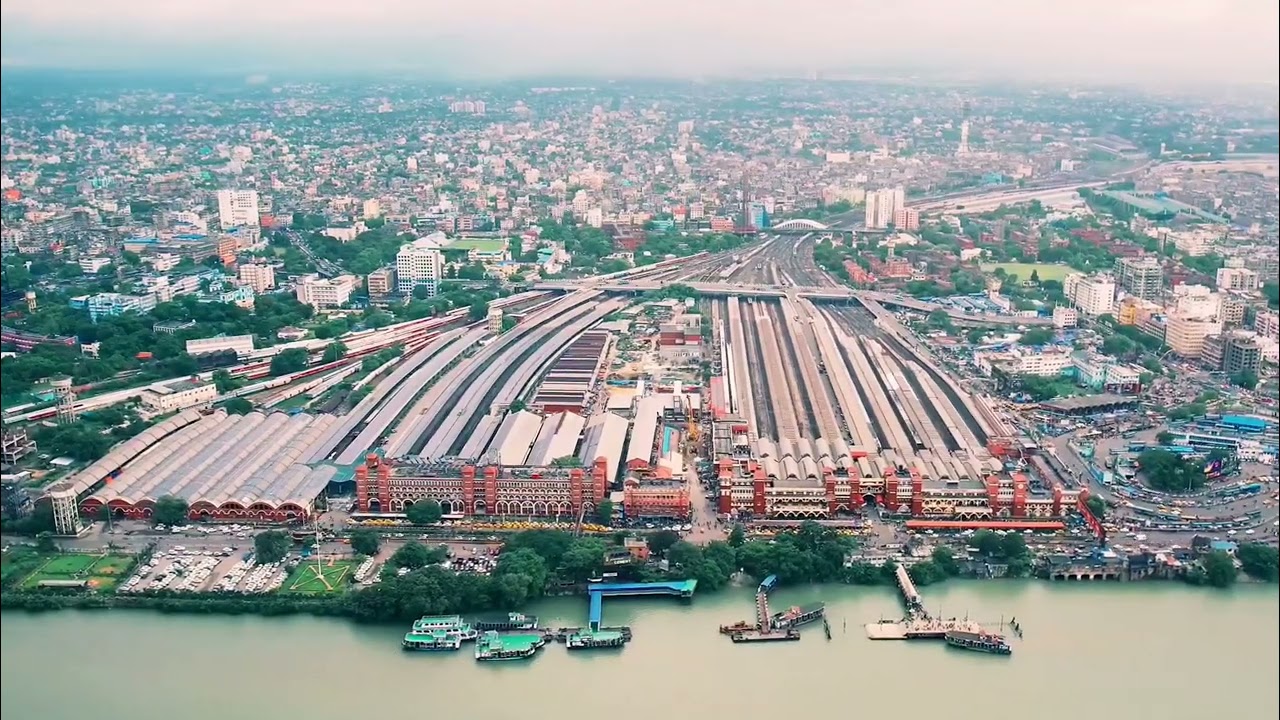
[1036,336]
[737,536]
[424,512]
[987,542]
[170,510]
[1035,276]
[1097,506]
[365,541]
[604,512]
[1259,561]
[45,543]
[1247,379]
[583,560]
[1219,569]
[661,541]
[413,555]
[1012,546]
[333,352]
[224,381]
[238,406]
[271,546]
[289,361]
[945,561]
[1170,472]
[478,310]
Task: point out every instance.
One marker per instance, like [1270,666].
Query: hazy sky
[1165,41]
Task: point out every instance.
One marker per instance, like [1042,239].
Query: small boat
[596,640]
[432,640]
[978,642]
[738,627]
[512,621]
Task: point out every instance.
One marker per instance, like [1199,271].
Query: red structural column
[468,490]
[1057,501]
[993,494]
[758,506]
[600,480]
[917,494]
[830,483]
[575,491]
[890,498]
[384,484]
[362,488]
[1019,496]
[855,489]
[490,489]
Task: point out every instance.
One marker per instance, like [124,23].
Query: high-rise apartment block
[259,277]
[237,208]
[907,219]
[883,206]
[1237,278]
[420,263]
[321,293]
[1092,295]
[1140,277]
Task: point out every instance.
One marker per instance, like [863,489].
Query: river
[1090,651]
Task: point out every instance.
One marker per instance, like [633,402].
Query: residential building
[372,209]
[237,208]
[380,282]
[907,219]
[1238,279]
[1024,361]
[91,265]
[171,397]
[1185,333]
[1141,277]
[1092,295]
[106,304]
[1196,301]
[1267,324]
[1231,310]
[321,293]
[259,277]
[883,206]
[1065,317]
[420,263]
[1232,353]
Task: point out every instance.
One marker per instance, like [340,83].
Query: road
[706,525]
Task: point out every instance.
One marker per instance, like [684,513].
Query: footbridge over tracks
[802,225]
[597,592]
[821,294]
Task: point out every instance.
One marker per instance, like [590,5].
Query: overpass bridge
[820,294]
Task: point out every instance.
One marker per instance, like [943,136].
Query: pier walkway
[915,629]
[912,599]
[597,592]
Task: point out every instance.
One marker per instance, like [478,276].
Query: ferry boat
[434,623]
[432,640]
[797,616]
[493,646]
[595,640]
[978,642]
[512,621]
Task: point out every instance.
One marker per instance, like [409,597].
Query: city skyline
[1157,44]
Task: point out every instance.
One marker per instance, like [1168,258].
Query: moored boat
[512,621]
[978,642]
[432,640]
[495,646]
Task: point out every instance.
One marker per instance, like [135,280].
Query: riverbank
[1107,640]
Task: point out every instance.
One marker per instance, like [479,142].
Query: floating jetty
[774,627]
[919,625]
[597,636]
[493,645]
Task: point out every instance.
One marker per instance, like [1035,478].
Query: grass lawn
[103,572]
[331,576]
[18,563]
[1023,270]
[487,245]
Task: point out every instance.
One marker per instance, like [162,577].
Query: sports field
[1044,271]
[308,579]
[102,572]
[484,245]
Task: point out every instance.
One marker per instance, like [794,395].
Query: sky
[1164,42]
